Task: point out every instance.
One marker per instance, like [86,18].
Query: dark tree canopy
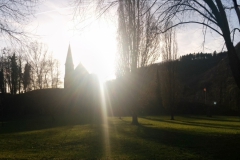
[209,13]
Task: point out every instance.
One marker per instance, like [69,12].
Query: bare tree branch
[14,15]
[181,23]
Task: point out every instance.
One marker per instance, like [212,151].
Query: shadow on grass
[126,142]
[91,146]
[220,119]
[177,144]
[40,123]
[192,123]
[66,142]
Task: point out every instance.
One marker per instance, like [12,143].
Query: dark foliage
[83,98]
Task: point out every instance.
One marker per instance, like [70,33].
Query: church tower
[69,68]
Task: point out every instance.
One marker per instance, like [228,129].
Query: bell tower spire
[69,68]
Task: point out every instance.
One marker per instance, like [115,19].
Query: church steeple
[69,60]
[69,68]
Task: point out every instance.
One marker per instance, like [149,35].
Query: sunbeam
[104,117]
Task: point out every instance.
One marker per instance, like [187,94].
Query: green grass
[187,137]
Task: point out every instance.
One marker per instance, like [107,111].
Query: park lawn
[187,137]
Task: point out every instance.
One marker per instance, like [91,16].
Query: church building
[73,76]
[81,88]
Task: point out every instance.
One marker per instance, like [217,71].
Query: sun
[95,48]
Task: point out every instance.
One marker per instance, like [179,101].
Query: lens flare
[105,125]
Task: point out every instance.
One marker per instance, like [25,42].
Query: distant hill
[214,74]
[194,71]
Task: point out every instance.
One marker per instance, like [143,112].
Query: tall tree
[138,42]
[20,74]
[37,58]
[14,74]
[158,88]
[2,81]
[55,77]
[212,14]
[26,76]
[169,84]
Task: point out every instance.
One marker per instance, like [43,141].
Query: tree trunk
[172,115]
[134,119]
[133,79]
[234,61]
[237,10]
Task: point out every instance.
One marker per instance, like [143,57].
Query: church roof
[69,59]
[80,69]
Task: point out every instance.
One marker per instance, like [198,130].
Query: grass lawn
[187,137]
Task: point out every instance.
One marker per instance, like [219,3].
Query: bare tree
[14,15]
[211,14]
[37,58]
[56,81]
[137,39]
[138,42]
[51,64]
[20,59]
[169,82]
[54,72]
[45,71]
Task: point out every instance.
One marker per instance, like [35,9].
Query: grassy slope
[155,138]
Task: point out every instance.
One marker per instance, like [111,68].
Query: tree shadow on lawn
[91,146]
[39,123]
[179,144]
[62,143]
[216,118]
[200,124]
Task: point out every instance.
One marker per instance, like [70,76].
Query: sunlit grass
[189,137]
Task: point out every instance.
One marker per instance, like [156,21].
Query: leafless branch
[182,23]
[14,15]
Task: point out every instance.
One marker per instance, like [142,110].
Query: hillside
[215,75]
[194,73]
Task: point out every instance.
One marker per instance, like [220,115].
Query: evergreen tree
[2,81]
[19,74]
[14,74]
[26,76]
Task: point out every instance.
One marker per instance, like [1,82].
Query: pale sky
[95,45]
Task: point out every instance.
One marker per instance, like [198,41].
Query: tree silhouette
[37,57]
[209,13]
[26,76]
[14,74]
[169,86]
[138,43]
[158,88]
[2,81]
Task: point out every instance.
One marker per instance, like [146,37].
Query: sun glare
[95,49]
[93,45]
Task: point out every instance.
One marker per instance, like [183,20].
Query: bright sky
[95,46]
